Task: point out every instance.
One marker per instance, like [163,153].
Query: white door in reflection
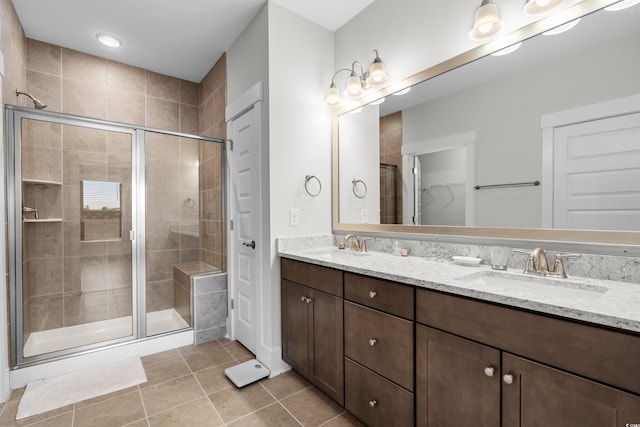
[597,174]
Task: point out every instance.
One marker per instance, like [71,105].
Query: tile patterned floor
[187,387]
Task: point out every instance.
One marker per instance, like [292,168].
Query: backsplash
[601,267]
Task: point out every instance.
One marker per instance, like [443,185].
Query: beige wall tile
[189,93]
[160,264]
[162,147]
[159,295]
[87,68]
[125,77]
[37,133]
[46,276]
[78,138]
[44,57]
[162,86]
[41,163]
[45,87]
[125,107]
[46,312]
[163,114]
[189,119]
[84,98]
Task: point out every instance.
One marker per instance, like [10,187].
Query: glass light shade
[354,86]
[487,23]
[621,5]
[507,50]
[333,96]
[542,7]
[562,28]
[377,73]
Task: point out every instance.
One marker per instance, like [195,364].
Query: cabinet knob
[372,294]
[308,300]
[303,298]
[372,341]
[373,403]
[489,371]
[508,379]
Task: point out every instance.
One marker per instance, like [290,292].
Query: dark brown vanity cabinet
[312,325]
[379,351]
[470,372]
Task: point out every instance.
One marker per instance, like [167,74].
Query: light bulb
[333,96]
[354,86]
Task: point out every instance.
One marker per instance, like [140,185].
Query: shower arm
[37,104]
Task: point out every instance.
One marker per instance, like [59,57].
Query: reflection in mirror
[101,214]
[508,112]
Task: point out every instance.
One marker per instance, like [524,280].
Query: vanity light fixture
[621,5]
[542,7]
[403,91]
[487,23]
[507,50]
[108,40]
[562,28]
[358,82]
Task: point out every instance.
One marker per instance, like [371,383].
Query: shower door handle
[252,245]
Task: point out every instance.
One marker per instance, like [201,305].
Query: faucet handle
[559,270]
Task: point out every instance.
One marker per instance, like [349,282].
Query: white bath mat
[46,395]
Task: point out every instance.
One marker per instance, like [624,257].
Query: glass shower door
[74,197]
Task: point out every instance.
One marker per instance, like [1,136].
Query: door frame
[251,99]
[549,122]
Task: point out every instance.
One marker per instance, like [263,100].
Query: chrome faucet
[538,264]
[357,244]
[26,209]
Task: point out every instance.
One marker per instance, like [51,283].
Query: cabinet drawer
[315,276]
[602,354]
[381,342]
[383,295]
[375,400]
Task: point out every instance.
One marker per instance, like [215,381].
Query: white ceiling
[182,39]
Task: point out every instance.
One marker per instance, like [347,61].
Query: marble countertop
[601,302]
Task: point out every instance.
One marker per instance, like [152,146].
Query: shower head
[37,104]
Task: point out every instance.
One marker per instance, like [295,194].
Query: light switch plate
[294,217]
[364,216]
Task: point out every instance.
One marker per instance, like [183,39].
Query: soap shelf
[42,220]
[41,182]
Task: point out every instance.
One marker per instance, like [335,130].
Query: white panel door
[246,197]
[597,174]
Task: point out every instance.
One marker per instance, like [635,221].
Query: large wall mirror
[542,143]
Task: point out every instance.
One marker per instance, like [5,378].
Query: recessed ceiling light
[108,40]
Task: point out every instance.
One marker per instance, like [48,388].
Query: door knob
[251,245]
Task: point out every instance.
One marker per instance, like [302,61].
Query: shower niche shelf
[44,196]
[41,182]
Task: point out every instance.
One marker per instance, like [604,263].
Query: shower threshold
[52,340]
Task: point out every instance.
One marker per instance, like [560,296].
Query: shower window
[100,213]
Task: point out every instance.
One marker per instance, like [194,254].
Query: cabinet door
[454,382]
[295,326]
[546,397]
[326,369]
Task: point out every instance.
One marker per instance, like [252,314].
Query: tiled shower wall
[390,153]
[76,83]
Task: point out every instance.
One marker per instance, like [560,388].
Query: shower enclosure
[100,216]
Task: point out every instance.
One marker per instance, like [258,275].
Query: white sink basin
[535,288]
[336,254]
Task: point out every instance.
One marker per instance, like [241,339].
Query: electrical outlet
[294,217]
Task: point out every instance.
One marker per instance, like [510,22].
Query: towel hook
[362,193]
[309,178]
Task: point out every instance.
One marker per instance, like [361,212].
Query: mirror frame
[580,236]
